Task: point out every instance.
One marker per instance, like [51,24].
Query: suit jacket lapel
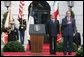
[70,19]
[66,19]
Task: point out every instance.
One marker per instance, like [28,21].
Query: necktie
[68,19]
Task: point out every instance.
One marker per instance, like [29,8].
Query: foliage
[13,46]
[60,47]
[3,22]
[80,52]
[72,14]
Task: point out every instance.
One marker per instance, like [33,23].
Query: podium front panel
[37,43]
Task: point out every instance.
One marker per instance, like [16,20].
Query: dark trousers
[66,38]
[52,41]
[22,33]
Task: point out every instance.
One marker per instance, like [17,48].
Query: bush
[60,47]
[13,46]
[72,14]
[4,30]
[3,22]
[80,52]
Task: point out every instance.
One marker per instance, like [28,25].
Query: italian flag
[55,10]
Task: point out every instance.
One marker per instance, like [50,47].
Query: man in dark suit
[13,33]
[68,24]
[52,31]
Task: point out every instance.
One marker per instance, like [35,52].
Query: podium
[36,32]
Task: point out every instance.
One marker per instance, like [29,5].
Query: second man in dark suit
[52,31]
[68,24]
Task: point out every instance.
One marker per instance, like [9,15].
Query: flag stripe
[20,9]
[56,13]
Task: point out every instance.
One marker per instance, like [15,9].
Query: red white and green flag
[55,10]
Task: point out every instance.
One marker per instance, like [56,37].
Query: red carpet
[28,53]
[45,47]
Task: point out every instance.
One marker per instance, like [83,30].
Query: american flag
[20,9]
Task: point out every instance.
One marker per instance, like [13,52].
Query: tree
[3,22]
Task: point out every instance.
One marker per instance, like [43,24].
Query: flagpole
[29,20]
[30,10]
[9,14]
[22,16]
[59,21]
[59,15]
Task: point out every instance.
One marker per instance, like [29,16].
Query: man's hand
[74,34]
[69,22]
[48,36]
